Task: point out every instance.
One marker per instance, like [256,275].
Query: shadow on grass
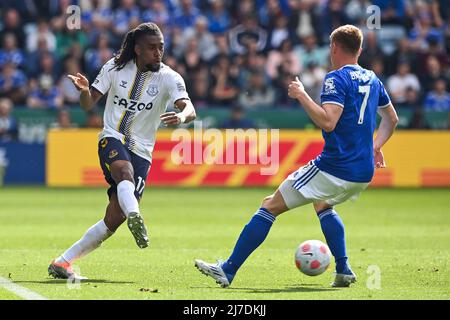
[61,281]
[288,289]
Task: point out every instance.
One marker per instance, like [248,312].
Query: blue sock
[334,231]
[251,237]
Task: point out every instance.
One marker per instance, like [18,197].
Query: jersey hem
[321,168]
[93,86]
[385,106]
[333,102]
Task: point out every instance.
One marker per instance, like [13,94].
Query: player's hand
[296,89]
[80,81]
[379,159]
[172,118]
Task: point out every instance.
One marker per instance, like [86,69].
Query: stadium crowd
[236,52]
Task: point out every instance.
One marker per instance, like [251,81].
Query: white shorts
[309,184]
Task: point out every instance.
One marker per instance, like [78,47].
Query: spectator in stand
[356,11]
[434,71]
[333,16]
[157,13]
[312,79]
[282,84]
[96,57]
[12,24]
[257,95]
[205,42]
[270,10]
[172,62]
[392,11]
[250,63]
[403,52]
[198,87]
[69,92]
[218,45]
[9,51]
[64,120]
[436,50]
[224,88]
[412,100]
[97,17]
[68,40]
[43,32]
[424,30]
[377,66]
[123,15]
[283,60]
[218,18]
[439,98]
[399,82]
[34,59]
[279,33]
[371,50]
[241,9]
[246,33]
[186,15]
[303,18]
[46,96]
[13,83]
[47,65]
[191,59]
[223,47]
[9,130]
[311,53]
[238,120]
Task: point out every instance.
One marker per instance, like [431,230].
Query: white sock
[90,241]
[127,201]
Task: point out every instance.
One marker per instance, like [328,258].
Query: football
[312,257]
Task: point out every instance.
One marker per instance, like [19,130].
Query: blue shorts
[110,150]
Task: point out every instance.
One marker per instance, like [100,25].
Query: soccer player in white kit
[140,88]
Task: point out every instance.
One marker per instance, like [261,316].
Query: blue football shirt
[348,150]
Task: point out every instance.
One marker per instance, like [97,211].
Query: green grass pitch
[404,232]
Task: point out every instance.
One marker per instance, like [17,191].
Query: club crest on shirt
[113,153]
[152,90]
[180,87]
[329,86]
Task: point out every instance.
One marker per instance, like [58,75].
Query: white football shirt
[135,102]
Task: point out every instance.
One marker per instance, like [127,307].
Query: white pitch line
[20,291]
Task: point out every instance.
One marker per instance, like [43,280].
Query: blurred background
[237,58]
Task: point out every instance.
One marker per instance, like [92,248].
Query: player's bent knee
[274,205]
[320,206]
[266,200]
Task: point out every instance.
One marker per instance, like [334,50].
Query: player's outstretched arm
[186,114]
[88,97]
[325,117]
[389,121]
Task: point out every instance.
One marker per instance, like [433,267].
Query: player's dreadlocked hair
[126,52]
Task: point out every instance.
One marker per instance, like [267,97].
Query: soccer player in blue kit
[350,100]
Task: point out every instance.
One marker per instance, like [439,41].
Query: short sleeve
[333,89]
[383,100]
[177,88]
[103,81]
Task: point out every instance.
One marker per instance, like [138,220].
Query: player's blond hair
[348,37]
